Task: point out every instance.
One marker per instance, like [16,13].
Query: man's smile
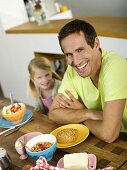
[82,66]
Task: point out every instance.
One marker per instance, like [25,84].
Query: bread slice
[76,161]
[67,135]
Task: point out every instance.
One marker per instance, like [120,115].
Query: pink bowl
[25,138]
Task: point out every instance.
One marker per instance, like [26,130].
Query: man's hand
[70,102]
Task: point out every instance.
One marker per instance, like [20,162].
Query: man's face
[81,56]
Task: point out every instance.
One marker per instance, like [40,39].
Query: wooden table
[114,154]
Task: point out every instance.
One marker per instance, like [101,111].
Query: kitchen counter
[115,27]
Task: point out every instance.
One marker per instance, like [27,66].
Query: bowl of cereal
[42,145]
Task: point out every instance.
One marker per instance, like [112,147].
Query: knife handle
[18,127]
[12,131]
[1,133]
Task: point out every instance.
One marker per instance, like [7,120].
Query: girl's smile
[43,78]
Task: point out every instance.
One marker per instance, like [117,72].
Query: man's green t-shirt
[112,84]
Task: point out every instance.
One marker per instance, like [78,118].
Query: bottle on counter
[39,13]
[29,8]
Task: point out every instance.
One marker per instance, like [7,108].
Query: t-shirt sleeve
[115,80]
[68,83]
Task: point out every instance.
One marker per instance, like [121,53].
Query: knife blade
[17,128]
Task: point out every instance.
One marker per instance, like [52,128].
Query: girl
[43,84]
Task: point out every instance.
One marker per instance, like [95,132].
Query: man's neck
[95,76]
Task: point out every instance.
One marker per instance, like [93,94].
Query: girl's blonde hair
[41,63]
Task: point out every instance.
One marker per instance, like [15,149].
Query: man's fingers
[63,100]
[62,106]
[70,95]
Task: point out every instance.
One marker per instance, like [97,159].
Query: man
[94,87]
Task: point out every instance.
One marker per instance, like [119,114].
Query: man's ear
[97,43]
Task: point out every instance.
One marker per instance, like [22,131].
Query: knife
[13,127]
[17,128]
[12,131]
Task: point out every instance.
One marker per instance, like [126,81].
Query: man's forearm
[108,128]
[65,116]
[106,133]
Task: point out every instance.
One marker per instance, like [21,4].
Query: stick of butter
[76,161]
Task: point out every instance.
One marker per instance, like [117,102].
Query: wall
[12,13]
[96,7]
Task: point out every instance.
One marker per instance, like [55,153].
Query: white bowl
[47,153]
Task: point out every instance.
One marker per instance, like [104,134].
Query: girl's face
[43,78]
